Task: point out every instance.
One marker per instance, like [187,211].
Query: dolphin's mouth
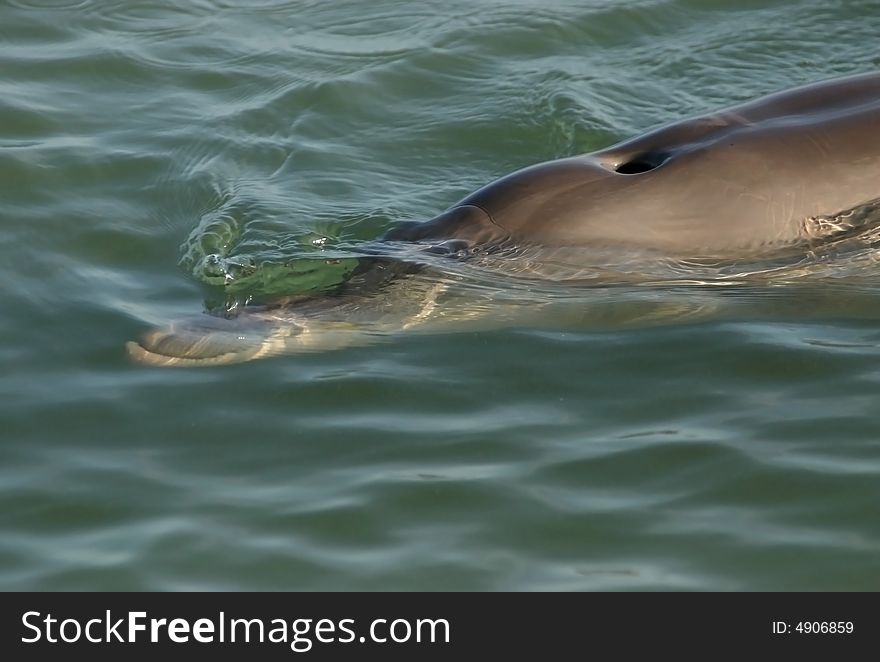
[207,340]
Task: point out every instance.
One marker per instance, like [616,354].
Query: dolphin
[788,171]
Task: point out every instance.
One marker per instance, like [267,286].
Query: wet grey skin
[773,173]
[753,177]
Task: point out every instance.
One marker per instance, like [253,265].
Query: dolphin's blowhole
[642,163]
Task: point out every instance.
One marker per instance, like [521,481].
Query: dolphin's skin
[784,171]
[752,177]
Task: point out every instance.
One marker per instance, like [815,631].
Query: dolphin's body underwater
[781,172]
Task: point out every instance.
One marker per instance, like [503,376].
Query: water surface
[724,451]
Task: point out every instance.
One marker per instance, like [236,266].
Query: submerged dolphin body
[787,171]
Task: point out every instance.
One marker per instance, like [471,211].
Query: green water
[738,451]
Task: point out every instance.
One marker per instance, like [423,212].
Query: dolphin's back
[746,178]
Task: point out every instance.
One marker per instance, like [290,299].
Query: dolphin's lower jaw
[205,340]
[209,341]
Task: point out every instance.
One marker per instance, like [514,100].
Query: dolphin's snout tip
[209,341]
[203,341]
[155,354]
